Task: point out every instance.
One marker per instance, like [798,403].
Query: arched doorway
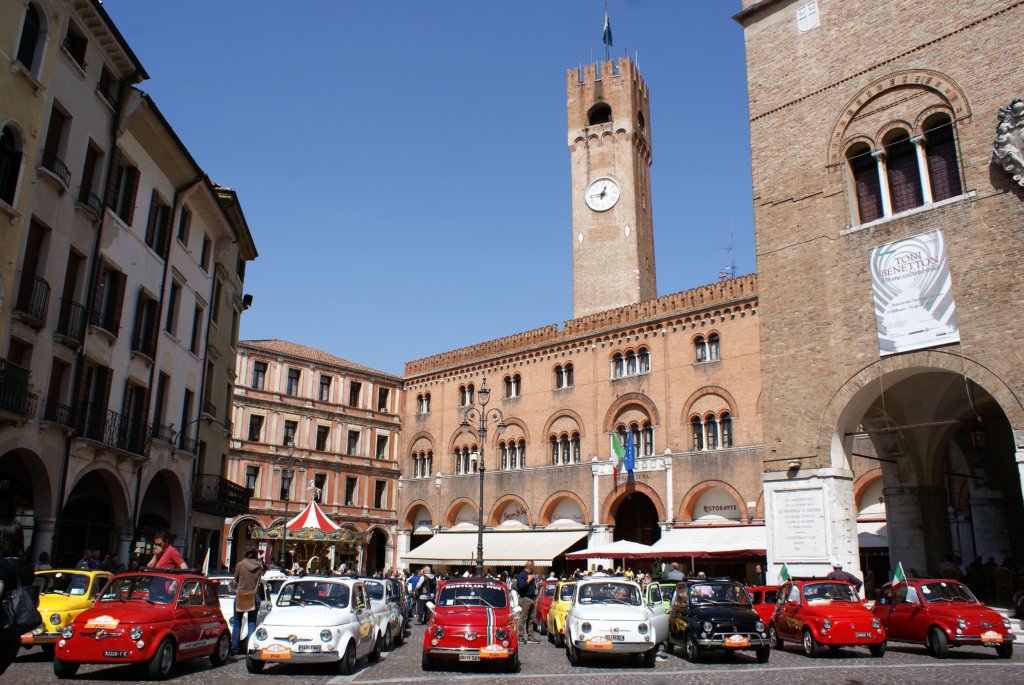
[950,484]
[636,519]
[422,526]
[17,499]
[162,509]
[88,520]
[376,551]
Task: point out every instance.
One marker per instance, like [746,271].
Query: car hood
[735,614]
[969,612]
[50,603]
[468,616]
[112,614]
[610,612]
[307,616]
[840,610]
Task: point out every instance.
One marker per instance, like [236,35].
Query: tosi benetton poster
[913,293]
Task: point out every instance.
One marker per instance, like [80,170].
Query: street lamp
[286,464]
[482,416]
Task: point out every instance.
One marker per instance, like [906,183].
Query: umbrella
[621,549]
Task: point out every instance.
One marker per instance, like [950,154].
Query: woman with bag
[19,595]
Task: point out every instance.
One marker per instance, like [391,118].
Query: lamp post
[286,464]
[482,416]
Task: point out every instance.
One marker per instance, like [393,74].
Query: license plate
[115,653]
[737,641]
[616,638]
[469,657]
[309,648]
[862,634]
[991,637]
[275,652]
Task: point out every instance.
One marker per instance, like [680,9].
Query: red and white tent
[313,517]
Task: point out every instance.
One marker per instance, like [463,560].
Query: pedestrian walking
[248,573]
[15,570]
[425,590]
[526,586]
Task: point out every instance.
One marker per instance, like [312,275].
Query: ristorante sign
[913,294]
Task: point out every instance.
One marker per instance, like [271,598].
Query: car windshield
[151,589]
[549,590]
[472,595]
[374,589]
[62,583]
[718,593]
[817,593]
[947,592]
[225,587]
[566,593]
[609,593]
[314,593]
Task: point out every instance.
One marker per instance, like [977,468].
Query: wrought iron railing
[91,200]
[107,319]
[189,445]
[58,413]
[56,165]
[162,433]
[111,428]
[33,298]
[144,344]
[71,323]
[217,489]
[14,394]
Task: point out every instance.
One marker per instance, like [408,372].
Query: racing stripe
[490,626]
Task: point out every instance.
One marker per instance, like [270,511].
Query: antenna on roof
[728,272]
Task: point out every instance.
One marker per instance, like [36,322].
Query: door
[787,621]
[659,618]
[364,618]
[904,614]
[188,618]
[677,615]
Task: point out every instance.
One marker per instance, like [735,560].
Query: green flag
[899,576]
[618,454]
[784,573]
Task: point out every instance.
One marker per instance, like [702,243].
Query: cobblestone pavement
[544,664]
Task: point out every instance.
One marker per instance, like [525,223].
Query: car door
[659,617]
[364,620]
[263,592]
[677,615]
[188,618]
[906,609]
[787,620]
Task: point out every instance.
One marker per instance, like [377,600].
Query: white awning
[500,548]
[707,541]
[872,535]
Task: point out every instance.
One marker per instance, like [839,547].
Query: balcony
[189,445]
[144,345]
[56,166]
[33,300]
[71,323]
[58,413]
[107,320]
[115,430]
[162,433]
[91,203]
[218,496]
[16,402]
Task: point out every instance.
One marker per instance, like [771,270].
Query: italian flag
[618,454]
[899,576]
[784,573]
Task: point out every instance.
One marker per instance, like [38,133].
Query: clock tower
[610,150]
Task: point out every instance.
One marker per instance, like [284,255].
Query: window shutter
[904,177]
[151,222]
[140,316]
[869,197]
[130,202]
[116,169]
[154,327]
[165,232]
[942,164]
[96,315]
[117,301]
[106,377]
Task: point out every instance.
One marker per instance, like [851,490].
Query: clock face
[602,194]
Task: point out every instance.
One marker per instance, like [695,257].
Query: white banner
[913,293]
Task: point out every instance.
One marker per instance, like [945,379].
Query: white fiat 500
[386,612]
[317,619]
[609,616]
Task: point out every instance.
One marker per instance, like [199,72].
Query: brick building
[872,133]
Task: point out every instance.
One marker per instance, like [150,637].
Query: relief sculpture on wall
[1008,148]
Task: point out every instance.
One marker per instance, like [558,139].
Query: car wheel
[773,637]
[378,647]
[427,662]
[399,639]
[651,657]
[347,665]
[810,645]
[559,638]
[763,654]
[571,651]
[254,665]
[220,653]
[162,662]
[938,643]
[692,650]
[513,664]
[878,650]
[1005,651]
[543,628]
[64,669]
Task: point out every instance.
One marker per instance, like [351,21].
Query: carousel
[313,542]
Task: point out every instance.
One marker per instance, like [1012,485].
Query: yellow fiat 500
[63,594]
[560,604]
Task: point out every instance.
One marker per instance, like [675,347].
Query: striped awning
[313,517]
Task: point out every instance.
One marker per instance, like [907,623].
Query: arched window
[522,454]
[563,376]
[466,395]
[563,449]
[568,376]
[10,164]
[698,433]
[553,444]
[644,360]
[940,148]
[601,113]
[513,385]
[31,38]
[714,348]
[864,168]
[618,366]
[904,175]
[725,423]
[575,448]
[711,429]
[647,439]
[466,460]
[700,350]
[631,363]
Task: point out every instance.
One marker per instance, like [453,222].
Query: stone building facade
[308,424]
[872,157]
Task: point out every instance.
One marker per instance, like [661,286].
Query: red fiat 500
[472,622]
[815,613]
[545,595]
[154,617]
[763,599]
[939,614]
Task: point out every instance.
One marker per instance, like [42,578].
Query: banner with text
[913,294]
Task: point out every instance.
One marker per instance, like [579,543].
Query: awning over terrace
[500,548]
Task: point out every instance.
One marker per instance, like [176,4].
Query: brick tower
[610,149]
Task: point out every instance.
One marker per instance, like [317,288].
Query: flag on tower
[630,459]
[899,576]
[606,38]
[618,454]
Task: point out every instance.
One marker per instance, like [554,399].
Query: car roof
[475,580]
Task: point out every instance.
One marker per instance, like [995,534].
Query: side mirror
[431,606]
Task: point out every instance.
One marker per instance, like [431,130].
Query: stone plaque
[798,525]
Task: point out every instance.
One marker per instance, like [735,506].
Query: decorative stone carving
[1008,148]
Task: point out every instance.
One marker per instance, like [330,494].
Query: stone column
[670,504]
[402,546]
[883,182]
[922,169]
[124,550]
[988,515]
[905,528]
[42,539]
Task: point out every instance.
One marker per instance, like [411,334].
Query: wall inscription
[798,525]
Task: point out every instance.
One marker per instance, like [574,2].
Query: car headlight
[642,628]
[961,623]
[325,635]
[135,633]
[501,633]
[67,632]
[55,619]
[826,624]
[585,627]
[708,626]
[875,623]
[261,633]
[1006,623]
[759,626]
[438,632]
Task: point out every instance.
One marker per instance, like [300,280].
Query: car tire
[763,654]
[938,643]
[571,652]
[222,650]
[559,638]
[809,644]
[773,637]
[160,665]
[692,651]
[64,669]
[378,647]
[347,665]
[427,662]
[254,665]
[543,628]
[651,657]
[513,664]
[399,639]
[877,651]
[1005,651]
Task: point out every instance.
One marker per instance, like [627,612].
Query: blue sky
[403,164]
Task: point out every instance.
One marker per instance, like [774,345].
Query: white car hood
[307,616]
[609,612]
